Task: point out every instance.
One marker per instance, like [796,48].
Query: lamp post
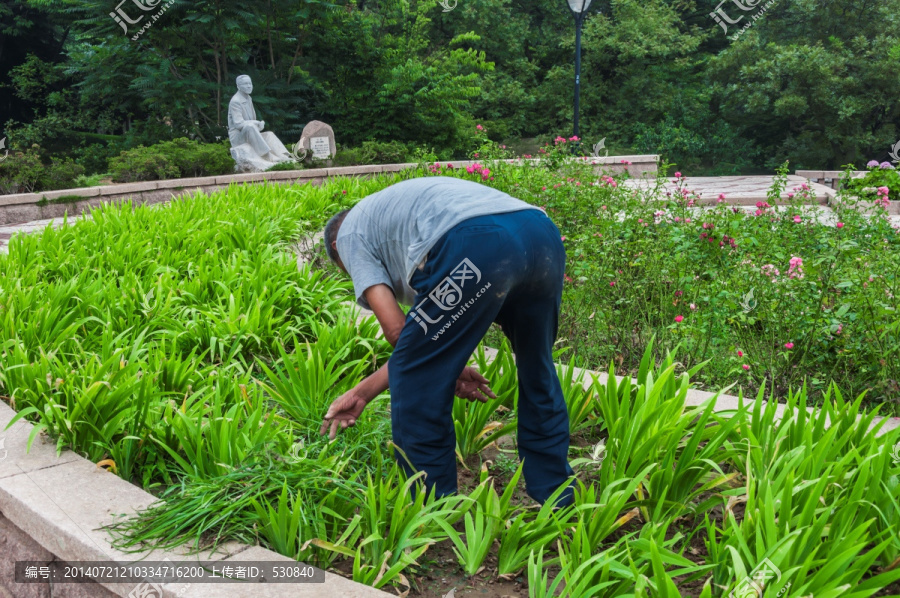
[579,9]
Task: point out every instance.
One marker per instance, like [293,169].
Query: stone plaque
[318,139]
[321,148]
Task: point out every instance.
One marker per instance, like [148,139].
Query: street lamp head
[578,6]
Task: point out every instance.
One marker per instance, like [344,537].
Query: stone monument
[317,139]
[252,149]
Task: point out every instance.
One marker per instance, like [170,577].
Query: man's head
[245,84]
[331,233]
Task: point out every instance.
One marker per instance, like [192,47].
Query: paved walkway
[738,190]
[6,232]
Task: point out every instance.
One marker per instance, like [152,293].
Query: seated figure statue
[251,147]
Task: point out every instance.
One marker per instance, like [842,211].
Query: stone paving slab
[7,232]
[15,458]
[738,190]
[64,507]
[336,585]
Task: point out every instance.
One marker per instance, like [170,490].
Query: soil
[442,573]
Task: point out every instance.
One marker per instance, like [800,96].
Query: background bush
[26,172]
[171,159]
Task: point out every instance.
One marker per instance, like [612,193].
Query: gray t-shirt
[389,233]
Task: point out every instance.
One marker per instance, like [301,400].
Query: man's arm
[382,301]
[344,412]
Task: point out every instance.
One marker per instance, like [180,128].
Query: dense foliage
[170,160]
[183,349]
[815,84]
[32,170]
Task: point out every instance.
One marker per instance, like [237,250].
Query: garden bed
[181,349]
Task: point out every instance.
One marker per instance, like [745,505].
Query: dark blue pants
[504,268]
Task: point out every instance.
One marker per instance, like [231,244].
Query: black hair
[331,231]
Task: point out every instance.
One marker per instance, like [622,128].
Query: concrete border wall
[26,207]
[829,178]
[53,508]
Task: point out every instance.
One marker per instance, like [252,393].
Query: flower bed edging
[25,207]
[57,506]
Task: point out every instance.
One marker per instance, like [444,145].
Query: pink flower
[746,367]
[872,164]
[677,175]
[574,138]
[797,219]
[790,196]
[679,318]
[612,283]
[679,293]
[567,278]
[840,329]
[796,268]
[721,198]
[563,238]
[693,307]
[640,220]
[789,345]
[687,220]
[840,225]
[485,173]
[479,127]
[740,353]
[344,192]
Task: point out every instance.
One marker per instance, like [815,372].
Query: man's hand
[343,412]
[473,386]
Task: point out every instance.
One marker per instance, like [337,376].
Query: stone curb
[695,397]
[59,504]
[25,207]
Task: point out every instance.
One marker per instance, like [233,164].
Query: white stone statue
[253,149]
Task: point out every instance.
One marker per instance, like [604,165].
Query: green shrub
[22,172]
[286,166]
[373,152]
[171,159]
[91,180]
[876,177]
[193,158]
[62,173]
[142,164]
[25,172]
